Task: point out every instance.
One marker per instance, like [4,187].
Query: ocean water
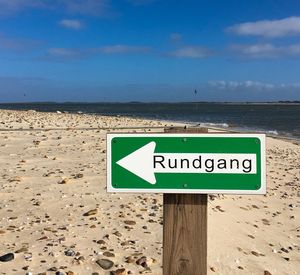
[275,119]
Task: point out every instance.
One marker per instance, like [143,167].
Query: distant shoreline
[296,102]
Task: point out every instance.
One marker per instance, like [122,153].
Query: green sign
[186,163]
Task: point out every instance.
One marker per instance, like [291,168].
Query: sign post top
[186,163]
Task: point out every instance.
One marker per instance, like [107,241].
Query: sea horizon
[276,118]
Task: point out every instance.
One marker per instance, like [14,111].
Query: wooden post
[185,228]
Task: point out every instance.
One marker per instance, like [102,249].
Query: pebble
[121,271]
[108,254]
[284,250]
[266,272]
[105,263]
[130,222]
[255,253]
[118,234]
[142,262]
[64,181]
[23,249]
[7,257]
[91,212]
[70,252]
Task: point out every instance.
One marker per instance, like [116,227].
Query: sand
[55,214]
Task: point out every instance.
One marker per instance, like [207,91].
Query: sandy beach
[57,218]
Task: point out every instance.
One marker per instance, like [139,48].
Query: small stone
[2,231]
[255,253]
[64,181]
[78,176]
[105,263]
[142,261]
[23,249]
[70,273]
[7,257]
[284,250]
[70,253]
[129,259]
[108,254]
[91,212]
[59,273]
[266,272]
[121,271]
[118,234]
[130,222]
[101,242]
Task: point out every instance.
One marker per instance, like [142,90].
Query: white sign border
[261,191]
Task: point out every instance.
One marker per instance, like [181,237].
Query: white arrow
[144,163]
[140,162]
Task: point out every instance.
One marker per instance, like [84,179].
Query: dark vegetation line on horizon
[153,102]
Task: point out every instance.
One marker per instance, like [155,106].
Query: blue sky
[149,50]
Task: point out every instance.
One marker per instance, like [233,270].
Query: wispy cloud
[123,49]
[71,24]
[65,54]
[268,28]
[18,44]
[248,84]
[191,52]
[265,50]
[81,7]
[8,7]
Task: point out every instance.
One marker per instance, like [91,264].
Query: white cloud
[266,50]
[84,7]
[71,24]
[65,54]
[11,6]
[269,28]
[191,52]
[119,49]
[237,85]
